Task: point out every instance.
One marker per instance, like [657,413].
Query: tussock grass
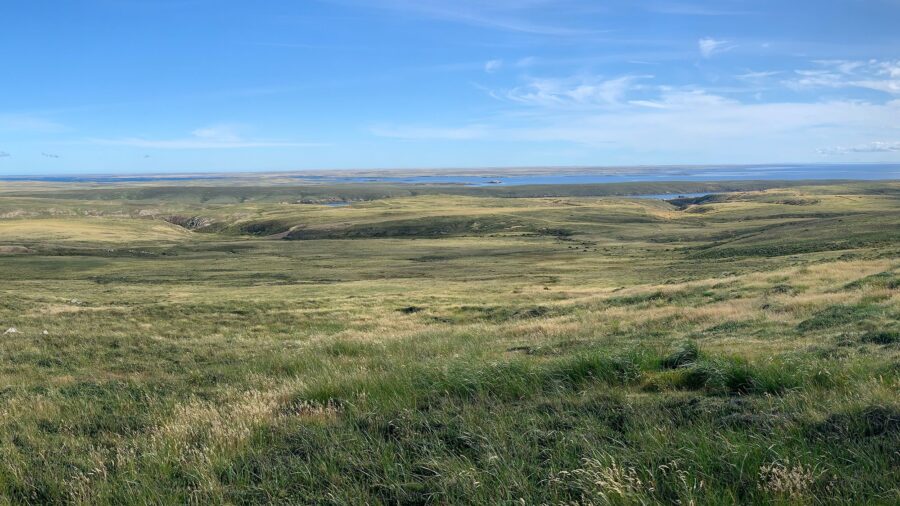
[455,346]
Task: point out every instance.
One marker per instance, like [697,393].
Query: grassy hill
[553,345]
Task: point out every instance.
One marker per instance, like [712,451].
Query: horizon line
[444,169]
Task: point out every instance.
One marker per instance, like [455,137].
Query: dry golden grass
[100,230]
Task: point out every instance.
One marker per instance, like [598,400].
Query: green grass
[443,345]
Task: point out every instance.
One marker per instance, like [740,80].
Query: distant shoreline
[499,177]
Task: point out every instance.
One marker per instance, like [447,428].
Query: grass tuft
[685,353]
[881,337]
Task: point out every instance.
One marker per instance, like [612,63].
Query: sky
[132,86]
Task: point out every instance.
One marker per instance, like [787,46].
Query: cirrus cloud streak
[210,137]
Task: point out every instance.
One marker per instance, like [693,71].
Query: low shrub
[881,337]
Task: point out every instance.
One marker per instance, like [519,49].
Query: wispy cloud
[684,99]
[492,66]
[875,75]
[577,92]
[221,136]
[709,46]
[693,9]
[682,125]
[758,76]
[28,123]
[886,85]
[420,132]
[870,147]
[633,114]
[507,15]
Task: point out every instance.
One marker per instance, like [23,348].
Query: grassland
[548,345]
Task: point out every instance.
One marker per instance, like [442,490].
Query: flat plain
[445,344]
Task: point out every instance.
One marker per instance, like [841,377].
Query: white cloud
[886,85]
[757,76]
[870,147]
[224,133]
[648,103]
[222,136]
[709,46]
[574,92]
[813,79]
[889,68]
[493,66]
[672,123]
[875,75]
[695,123]
[842,66]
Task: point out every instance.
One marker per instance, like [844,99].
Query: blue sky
[124,86]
